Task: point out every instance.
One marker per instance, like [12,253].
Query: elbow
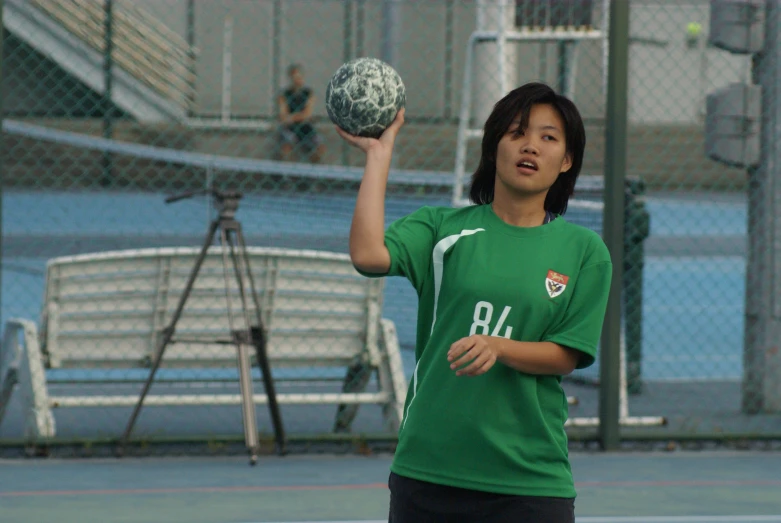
[369,262]
[569,361]
[567,369]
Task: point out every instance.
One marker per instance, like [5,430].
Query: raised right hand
[383,143]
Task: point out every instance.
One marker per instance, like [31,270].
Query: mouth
[527,165]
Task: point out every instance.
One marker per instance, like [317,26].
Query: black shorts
[306,137]
[413,501]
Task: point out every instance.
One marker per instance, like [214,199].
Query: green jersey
[502,431]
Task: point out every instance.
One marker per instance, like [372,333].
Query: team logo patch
[555,283]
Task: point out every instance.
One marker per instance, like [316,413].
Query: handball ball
[364,96]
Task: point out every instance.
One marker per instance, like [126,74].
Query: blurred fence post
[447,111]
[347,55]
[276,52]
[613,222]
[391,31]
[227,68]
[494,60]
[190,36]
[2,152]
[762,358]
[108,87]
[391,38]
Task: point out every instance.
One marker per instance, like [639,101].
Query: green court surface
[676,487]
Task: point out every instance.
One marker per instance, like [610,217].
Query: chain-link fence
[188,99]
[696,351]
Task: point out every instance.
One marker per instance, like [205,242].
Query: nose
[529,148]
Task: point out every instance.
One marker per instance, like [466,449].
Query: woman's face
[528,161]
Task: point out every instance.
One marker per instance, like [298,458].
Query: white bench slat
[299,301]
[137,304]
[203,325]
[215,399]
[140,283]
[319,347]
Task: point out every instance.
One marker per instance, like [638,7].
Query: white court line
[682,519]
[634,519]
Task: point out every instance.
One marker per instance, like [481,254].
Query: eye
[549,138]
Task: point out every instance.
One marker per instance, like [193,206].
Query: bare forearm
[367,232]
[306,114]
[284,113]
[542,357]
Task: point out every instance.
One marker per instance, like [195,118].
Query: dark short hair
[519,102]
[292,68]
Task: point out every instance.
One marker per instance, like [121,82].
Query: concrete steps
[154,68]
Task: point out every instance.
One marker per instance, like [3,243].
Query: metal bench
[108,310]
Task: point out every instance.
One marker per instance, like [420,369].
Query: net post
[637,230]
[613,221]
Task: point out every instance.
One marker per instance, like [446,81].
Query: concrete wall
[667,78]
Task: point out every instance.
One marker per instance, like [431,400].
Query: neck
[520,213]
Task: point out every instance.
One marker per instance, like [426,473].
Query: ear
[566,163]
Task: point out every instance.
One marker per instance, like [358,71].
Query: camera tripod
[243,337]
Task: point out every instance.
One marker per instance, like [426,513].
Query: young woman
[511,298]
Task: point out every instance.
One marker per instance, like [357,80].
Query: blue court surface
[677,487]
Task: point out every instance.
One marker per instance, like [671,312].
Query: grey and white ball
[364,96]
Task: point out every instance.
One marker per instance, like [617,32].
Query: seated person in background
[295,113]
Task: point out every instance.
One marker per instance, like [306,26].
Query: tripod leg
[168,333]
[358,376]
[248,405]
[242,338]
[259,341]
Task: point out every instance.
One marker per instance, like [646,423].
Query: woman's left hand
[480,350]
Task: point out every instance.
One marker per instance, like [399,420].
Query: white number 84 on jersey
[484,312]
